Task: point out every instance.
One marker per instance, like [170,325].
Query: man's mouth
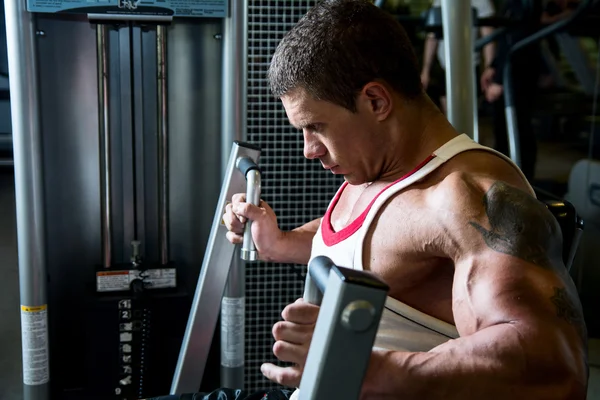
[332,168]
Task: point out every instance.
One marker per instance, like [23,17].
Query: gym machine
[216,269]
[351,304]
[107,243]
[509,100]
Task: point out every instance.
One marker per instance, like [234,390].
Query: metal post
[27,152]
[475,116]
[105,144]
[457,21]
[234,127]
[163,142]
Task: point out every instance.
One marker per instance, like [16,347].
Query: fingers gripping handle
[316,279]
[253,187]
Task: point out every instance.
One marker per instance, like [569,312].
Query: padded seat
[570,223]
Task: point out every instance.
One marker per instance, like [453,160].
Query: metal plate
[144,8]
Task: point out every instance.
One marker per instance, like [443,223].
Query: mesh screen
[297,189]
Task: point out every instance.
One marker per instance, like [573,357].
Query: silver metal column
[457,23]
[27,143]
[475,116]
[105,143]
[234,127]
[163,142]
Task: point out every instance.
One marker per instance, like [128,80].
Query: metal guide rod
[211,283]
[457,22]
[28,170]
[104,144]
[163,143]
[233,305]
[234,127]
[349,316]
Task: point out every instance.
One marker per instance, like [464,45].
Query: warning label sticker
[110,281]
[114,281]
[34,327]
[232,331]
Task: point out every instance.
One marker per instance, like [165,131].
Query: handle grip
[316,279]
[253,187]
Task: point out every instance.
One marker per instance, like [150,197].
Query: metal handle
[253,189]
[316,279]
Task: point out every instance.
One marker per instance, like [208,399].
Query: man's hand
[487,77]
[265,231]
[292,341]
[493,92]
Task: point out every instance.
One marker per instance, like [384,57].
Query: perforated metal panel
[298,190]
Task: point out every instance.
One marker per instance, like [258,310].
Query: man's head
[338,47]
[346,74]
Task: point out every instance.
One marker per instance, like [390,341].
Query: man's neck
[414,133]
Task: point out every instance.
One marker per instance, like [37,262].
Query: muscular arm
[296,244]
[520,321]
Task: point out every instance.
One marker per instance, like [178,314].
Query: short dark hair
[338,47]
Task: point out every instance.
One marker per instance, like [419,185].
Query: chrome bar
[457,21]
[105,144]
[234,128]
[29,190]
[163,143]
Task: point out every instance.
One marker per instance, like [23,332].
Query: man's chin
[352,180]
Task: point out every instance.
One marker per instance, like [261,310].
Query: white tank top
[402,328]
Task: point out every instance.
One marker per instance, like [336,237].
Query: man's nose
[313,148]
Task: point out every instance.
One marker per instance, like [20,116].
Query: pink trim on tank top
[330,236]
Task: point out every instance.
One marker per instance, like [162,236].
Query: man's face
[344,142]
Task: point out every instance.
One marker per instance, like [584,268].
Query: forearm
[496,362]
[295,245]
[431,44]
[489,51]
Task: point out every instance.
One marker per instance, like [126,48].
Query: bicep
[493,288]
[510,267]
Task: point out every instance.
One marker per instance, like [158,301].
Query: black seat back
[570,223]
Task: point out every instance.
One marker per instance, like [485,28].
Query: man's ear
[378,99]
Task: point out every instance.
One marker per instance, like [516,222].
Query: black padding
[246,164]
[566,215]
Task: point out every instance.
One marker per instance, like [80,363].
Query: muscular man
[480,304]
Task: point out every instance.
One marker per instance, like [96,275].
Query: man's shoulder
[464,180]
[456,194]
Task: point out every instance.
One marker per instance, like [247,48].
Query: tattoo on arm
[520,226]
[523,227]
[568,310]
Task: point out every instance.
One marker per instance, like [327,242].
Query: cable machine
[105,154]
